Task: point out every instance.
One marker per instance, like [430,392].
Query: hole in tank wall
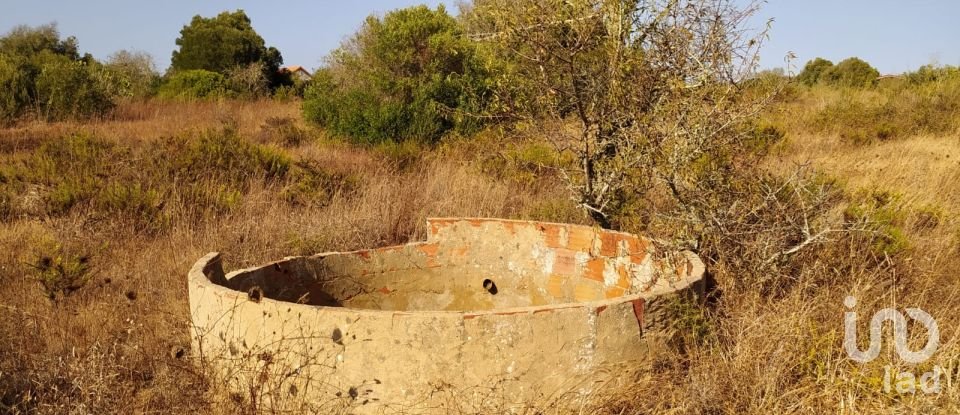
[490,286]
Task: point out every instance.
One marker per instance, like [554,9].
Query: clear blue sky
[893,35]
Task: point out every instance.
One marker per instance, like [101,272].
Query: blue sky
[893,35]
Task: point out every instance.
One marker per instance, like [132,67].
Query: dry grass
[116,344]
[152,119]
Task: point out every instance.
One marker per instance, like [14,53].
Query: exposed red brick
[614,292]
[476,222]
[365,254]
[600,309]
[437,225]
[594,269]
[638,257]
[608,244]
[430,250]
[565,262]
[581,238]
[551,234]
[555,285]
[587,291]
[385,290]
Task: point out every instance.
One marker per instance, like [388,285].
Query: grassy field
[102,219]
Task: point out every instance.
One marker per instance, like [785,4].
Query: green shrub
[930,73]
[310,185]
[289,92]
[15,88]
[224,154]
[764,135]
[411,75]
[881,212]
[62,272]
[193,84]
[66,88]
[857,122]
[41,73]
[813,71]
[69,168]
[850,72]
[142,203]
[73,156]
[130,74]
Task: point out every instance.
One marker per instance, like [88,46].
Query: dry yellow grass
[148,120]
[116,344]
[926,169]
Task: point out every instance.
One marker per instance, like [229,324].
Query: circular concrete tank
[485,315]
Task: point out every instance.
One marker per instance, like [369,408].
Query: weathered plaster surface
[486,313]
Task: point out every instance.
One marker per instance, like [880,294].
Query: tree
[813,71]
[222,43]
[652,88]
[46,76]
[131,74]
[409,75]
[852,72]
[27,41]
[67,88]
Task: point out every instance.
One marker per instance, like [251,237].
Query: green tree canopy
[26,41]
[44,75]
[813,70]
[852,72]
[221,43]
[409,75]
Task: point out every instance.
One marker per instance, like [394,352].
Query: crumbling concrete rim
[198,275]
[524,221]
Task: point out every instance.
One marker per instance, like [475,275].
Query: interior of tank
[464,265]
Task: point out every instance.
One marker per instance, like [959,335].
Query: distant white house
[298,72]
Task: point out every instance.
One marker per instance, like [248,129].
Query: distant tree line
[44,76]
[850,72]
[412,74]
